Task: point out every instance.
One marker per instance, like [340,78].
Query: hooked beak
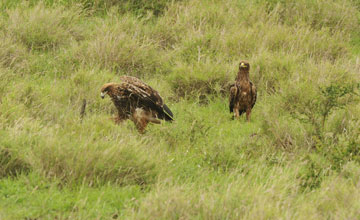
[102,95]
[242,64]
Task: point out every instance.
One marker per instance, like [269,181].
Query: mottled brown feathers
[242,93]
[141,118]
[137,101]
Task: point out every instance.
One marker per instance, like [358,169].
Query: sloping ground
[298,158]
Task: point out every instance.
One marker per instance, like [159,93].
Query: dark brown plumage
[242,92]
[136,101]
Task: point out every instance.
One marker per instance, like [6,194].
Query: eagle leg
[117,119]
[141,119]
[236,112]
[121,116]
[248,113]
[141,125]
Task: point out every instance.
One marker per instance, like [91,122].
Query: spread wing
[147,96]
[232,98]
[253,94]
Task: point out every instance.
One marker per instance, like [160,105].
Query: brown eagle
[136,101]
[242,92]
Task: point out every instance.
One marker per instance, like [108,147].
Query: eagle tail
[168,114]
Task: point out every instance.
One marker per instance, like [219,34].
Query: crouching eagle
[242,92]
[136,101]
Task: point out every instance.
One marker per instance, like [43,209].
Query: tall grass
[39,28]
[298,158]
[121,47]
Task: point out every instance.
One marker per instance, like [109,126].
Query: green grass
[299,158]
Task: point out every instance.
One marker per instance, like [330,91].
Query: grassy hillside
[299,158]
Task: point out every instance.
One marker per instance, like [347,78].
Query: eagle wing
[147,95]
[133,80]
[233,95]
[253,94]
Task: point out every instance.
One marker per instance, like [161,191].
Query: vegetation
[299,158]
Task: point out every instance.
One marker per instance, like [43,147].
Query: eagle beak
[102,95]
[242,64]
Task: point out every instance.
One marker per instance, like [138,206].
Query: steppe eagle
[242,92]
[136,101]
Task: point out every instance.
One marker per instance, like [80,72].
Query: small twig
[83,108]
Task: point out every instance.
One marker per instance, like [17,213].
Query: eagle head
[244,65]
[106,88]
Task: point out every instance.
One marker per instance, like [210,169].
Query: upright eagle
[136,101]
[242,92]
